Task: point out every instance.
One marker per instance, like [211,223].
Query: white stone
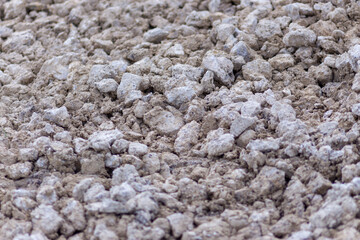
[107,85]
[137,149]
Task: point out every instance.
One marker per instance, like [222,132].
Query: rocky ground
[179,119]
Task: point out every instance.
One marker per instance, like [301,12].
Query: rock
[123,174]
[122,193]
[354,53]
[59,116]
[241,124]
[222,68]
[18,170]
[250,109]
[46,195]
[318,184]
[107,85]
[101,141]
[109,206]
[75,214]
[152,163]
[180,95]
[188,71]
[257,70]
[224,31]
[155,35]
[128,82]
[219,143]
[263,145]
[356,83]
[99,72]
[137,149]
[28,154]
[268,181]
[267,28]
[163,121]
[282,61]
[175,51]
[120,146]
[322,74]
[180,223]
[299,38]
[355,109]
[243,50]
[46,219]
[198,19]
[19,41]
[187,137]
[80,188]
[283,112]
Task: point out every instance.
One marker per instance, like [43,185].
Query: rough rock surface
[177,119]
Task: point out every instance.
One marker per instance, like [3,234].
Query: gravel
[179,119]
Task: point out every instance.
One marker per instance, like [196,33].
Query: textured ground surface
[175,119]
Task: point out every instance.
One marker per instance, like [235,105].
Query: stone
[180,223]
[175,51]
[356,83]
[355,109]
[163,121]
[180,95]
[123,174]
[19,41]
[282,61]
[224,31]
[74,212]
[46,219]
[155,35]
[222,68]
[188,71]
[267,28]
[199,19]
[80,189]
[322,74]
[283,111]
[250,109]
[102,140]
[263,145]
[299,38]
[28,154]
[152,162]
[19,170]
[128,82]
[109,206]
[46,195]
[137,149]
[120,146]
[187,137]
[257,70]
[59,116]
[243,50]
[96,193]
[122,193]
[268,181]
[241,124]
[220,144]
[107,85]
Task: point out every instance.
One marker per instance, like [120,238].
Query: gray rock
[299,38]
[322,74]
[155,35]
[28,154]
[18,170]
[180,95]
[243,50]
[137,149]
[109,206]
[123,174]
[163,121]
[267,28]
[107,85]
[257,70]
[122,193]
[46,195]
[59,116]
[152,162]
[282,61]
[101,141]
[250,109]
[283,111]
[180,223]
[75,214]
[263,145]
[198,19]
[128,82]
[120,146]
[187,137]
[175,51]
[222,68]
[268,181]
[19,41]
[80,188]
[96,193]
[46,219]
[355,85]
[355,109]
[241,124]
[224,31]
[219,143]
[188,71]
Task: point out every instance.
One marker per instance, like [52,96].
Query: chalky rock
[219,143]
[355,109]
[243,50]
[123,174]
[265,145]
[180,95]
[198,19]
[267,28]
[184,70]
[180,223]
[59,116]
[128,83]
[222,68]
[322,74]
[122,193]
[155,35]
[257,70]
[18,170]
[187,137]
[268,181]
[175,51]
[282,61]
[46,219]
[107,85]
[163,121]
[74,212]
[101,141]
[19,41]
[241,124]
[299,38]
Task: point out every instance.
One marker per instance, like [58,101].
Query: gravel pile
[179,119]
